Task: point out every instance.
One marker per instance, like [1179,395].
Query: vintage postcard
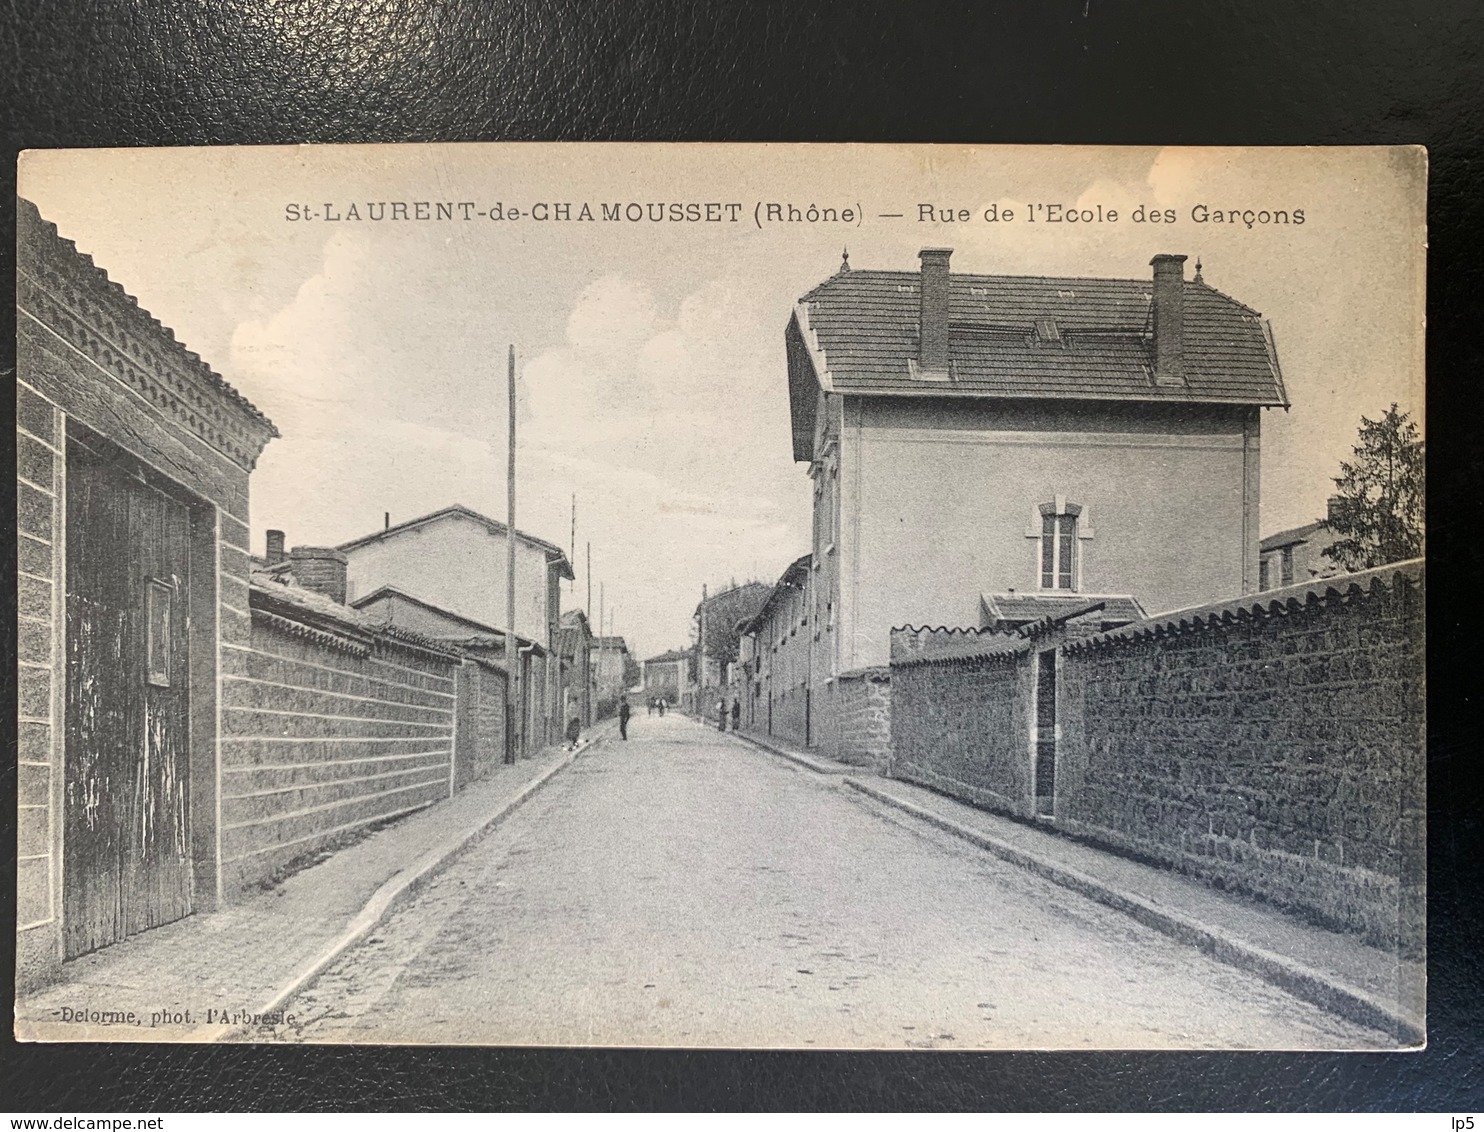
[715,595]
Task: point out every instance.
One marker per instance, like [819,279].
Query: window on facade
[1286,567]
[1058,549]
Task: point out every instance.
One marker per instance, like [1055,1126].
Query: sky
[650,357]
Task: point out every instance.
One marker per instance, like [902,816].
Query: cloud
[667,420]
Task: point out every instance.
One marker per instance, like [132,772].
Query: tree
[1379,516]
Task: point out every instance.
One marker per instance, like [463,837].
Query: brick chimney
[275,552]
[1169,319]
[320,568]
[932,310]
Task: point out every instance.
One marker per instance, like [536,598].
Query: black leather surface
[90,73]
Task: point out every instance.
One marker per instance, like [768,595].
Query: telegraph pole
[572,554]
[600,644]
[701,660]
[512,648]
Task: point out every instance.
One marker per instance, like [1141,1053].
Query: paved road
[684,888]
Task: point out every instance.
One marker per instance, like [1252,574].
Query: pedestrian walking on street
[574,731]
[721,712]
[736,713]
[662,707]
[623,717]
[649,706]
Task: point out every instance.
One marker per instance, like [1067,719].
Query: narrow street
[684,888]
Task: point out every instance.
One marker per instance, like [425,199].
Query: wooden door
[126,833]
[1046,735]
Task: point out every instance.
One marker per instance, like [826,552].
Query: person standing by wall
[721,713]
[623,717]
[736,713]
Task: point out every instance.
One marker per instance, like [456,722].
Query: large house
[453,561]
[977,442]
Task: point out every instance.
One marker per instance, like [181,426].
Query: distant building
[719,616]
[455,560]
[1297,555]
[610,660]
[777,655]
[667,676]
[574,646]
[973,438]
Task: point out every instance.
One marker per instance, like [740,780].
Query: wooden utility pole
[587,661]
[573,552]
[701,660]
[600,645]
[512,647]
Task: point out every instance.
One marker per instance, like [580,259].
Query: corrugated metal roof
[865,326]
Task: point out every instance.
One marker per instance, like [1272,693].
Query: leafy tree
[1379,517]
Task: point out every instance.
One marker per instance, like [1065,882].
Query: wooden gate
[126,837]
[1046,735]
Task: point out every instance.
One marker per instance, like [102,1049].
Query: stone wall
[863,717]
[1280,753]
[962,727]
[323,735]
[480,738]
[1271,745]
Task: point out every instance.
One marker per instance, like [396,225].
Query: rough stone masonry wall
[863,717]
[481,731]
[1280,755]
[961,727]
[319,740]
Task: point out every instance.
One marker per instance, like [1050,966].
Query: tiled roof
[791,579]
[384,593]
[554,553]
[32,225]
[1292,535]
[61,287]
[322,618]
[864,325]
[671,656]
[1001,610]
